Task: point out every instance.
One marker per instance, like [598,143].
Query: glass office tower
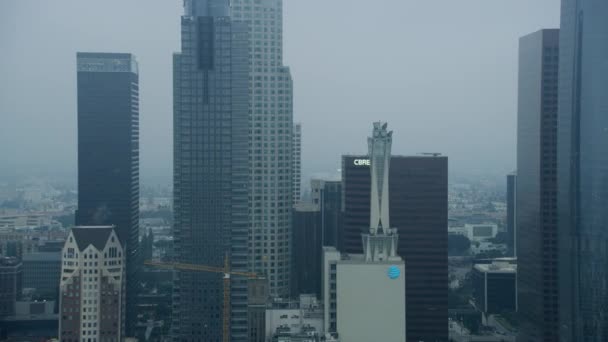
[583,171]
[211,171]
[536,186]
[108,155]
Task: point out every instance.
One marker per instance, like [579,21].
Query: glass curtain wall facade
[271,153]
[108,155]
[211,171]
[583,170]
[536,186]
[418,188]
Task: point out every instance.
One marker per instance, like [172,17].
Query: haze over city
[443,73]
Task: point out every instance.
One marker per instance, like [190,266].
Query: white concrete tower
[381,242]
[380,158]
[270,146]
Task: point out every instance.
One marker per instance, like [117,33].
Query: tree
[458,244]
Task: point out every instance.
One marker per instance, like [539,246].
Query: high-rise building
[327,197]
[108,154]
[418,210]
[211,171]
[297,162]
[307,249]
[582,164]
[365,293]
[271,153]
[92,287]
[511,214]
[536,196]
[10,284]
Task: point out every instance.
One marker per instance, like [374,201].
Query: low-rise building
[495,287]
[292,321]
[42,271]
[476,232]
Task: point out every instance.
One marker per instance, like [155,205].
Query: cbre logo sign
[361,162]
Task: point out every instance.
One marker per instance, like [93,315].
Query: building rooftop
[497,267]
[92,235]
[106,62]
[8,261]
[43,256]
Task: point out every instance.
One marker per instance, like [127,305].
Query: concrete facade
[92,288]
[368,301]
[270,143]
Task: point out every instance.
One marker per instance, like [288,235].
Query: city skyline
[311,105]
[246,229]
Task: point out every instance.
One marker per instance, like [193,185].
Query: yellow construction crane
[204,268]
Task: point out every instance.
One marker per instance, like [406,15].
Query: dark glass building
[511,212]
[108,154]
[536,189]
[211,170]
[583,171]
[494,287]
[418,188]
[308,249]
[327,197]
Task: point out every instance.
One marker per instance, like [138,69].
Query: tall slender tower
[211,171]
[271,112]
[381,241]
[582,176]
[108,155]
[536,186]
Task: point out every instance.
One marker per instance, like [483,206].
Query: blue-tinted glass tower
[211,170]
[583,171]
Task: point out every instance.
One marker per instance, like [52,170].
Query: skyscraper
[297,162]
[211,170]
[108,154]
[307,249]
[582,177]
[92,286]
[364,293]
[419,211]
[511,212]
[327,197]
[536,188]
[271,112]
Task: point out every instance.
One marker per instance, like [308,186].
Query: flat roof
[496,268]
[43,256]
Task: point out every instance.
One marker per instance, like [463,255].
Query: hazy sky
[443,73]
